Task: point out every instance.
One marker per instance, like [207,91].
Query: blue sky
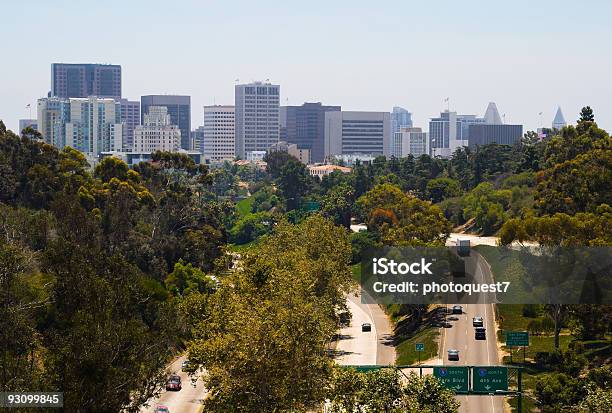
[527,56]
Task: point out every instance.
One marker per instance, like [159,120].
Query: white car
[477,321]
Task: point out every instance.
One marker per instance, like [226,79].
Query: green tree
[440,189]
[337,205]
[263,343]
[385,391]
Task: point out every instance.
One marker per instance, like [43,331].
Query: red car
[173,383]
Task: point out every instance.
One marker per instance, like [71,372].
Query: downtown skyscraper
[305,126]
[81,80]
[256,117]
[179,109]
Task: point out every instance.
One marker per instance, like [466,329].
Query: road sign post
[489,379]
[454,378]
[517,339]
[419,347]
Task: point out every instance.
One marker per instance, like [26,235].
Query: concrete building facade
[357,133]
[179,109]
[409,141]
[157,132]
[219,142]
[256,117]
[130,117]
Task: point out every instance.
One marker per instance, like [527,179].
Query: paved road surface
[474,352]
[366,348]
[188,400]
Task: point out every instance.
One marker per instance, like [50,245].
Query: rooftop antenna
[447,100]
[236,80]
[504,118]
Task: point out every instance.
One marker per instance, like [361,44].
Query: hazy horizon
[528,58]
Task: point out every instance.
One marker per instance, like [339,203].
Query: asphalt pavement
[460,336]
[187,400]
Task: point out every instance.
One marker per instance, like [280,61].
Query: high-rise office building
[400,118]
[357,133]
[409,141]
[305,126]
[559,120]
[95,125]
[70,80]
[179,109]
[52,115]
[130,117]
[157,133]
[256,117]
[91,125]
[24,123]
[449,132]
[197,139]
[219,142]
[483,134]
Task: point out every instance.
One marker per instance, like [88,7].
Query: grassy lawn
[242,247]
[406,353]
[356,272]
[244,206]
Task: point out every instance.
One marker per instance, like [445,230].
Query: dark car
[477,321]
[457,309]
[366,327]
[174,383]
[453,355]
[162,409]
[480,333]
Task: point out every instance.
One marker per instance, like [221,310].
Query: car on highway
[480,333]
[161,409]
[477,321]
[174,383]
[453,355]
[365,327]
[457,309]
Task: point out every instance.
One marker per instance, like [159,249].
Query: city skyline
[519,57]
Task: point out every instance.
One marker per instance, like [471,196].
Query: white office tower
[449,132]
[95,125]
[491,116]
[409,141]
[559,121]
[257,117]
[357,133]
[219,143]
[157,132]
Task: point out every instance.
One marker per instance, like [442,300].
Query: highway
[460,336]
[188,400]
[365,348]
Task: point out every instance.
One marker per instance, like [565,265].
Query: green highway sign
[419,346]
[489,379]
[364,369]
[517,339]
[454,378]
